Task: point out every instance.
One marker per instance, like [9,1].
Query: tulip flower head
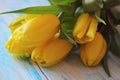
[38,35]
[51,53]
[85,28]
[37,30]
[91,53]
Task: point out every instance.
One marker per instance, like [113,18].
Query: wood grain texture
[13,68]
[73,69]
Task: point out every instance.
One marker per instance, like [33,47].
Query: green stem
[60,15]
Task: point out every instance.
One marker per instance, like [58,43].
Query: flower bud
[51,53]
[36,31]
[15,48]
[91,53]
[39,30]
[85,28]
[19,21]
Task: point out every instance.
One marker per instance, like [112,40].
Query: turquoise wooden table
[70,69]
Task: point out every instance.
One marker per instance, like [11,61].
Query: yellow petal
[92,28]
[102,53]
[31,16]
[19,21]
[91,31]
[92,52]
[94,48]
[81,27]
[16,23]
[40,29]
[15,48]
[37,54]
[51,53]
[83,54]
[13,44]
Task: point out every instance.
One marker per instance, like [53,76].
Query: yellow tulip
[85,28]
[15,48]
[51,53]
[19,21]
[16,23]
[39,30]
[36,31]
[91,53]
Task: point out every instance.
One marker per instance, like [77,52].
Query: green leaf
[61,2]
[37,10]
[100,20]
[115,12]
[107,37]
[115,44]
[18,22]
[67,19]
[105,30]
[67,37]
[67,27]
[68,6]
[92,5]
[114,33]
[78,12]
[110,3]
[23,56]
[105,65]
[67,23]
[66,32]
[113,16]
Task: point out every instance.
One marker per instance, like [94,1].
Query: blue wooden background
[11,68]
[69,69]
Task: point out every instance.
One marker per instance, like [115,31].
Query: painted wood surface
[69,69]
[12,68]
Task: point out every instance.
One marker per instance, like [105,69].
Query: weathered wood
[72,69]
[12,68]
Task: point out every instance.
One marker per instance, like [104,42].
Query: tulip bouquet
[46,34]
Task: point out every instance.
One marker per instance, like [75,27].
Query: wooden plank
[13,68]
[72,69]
